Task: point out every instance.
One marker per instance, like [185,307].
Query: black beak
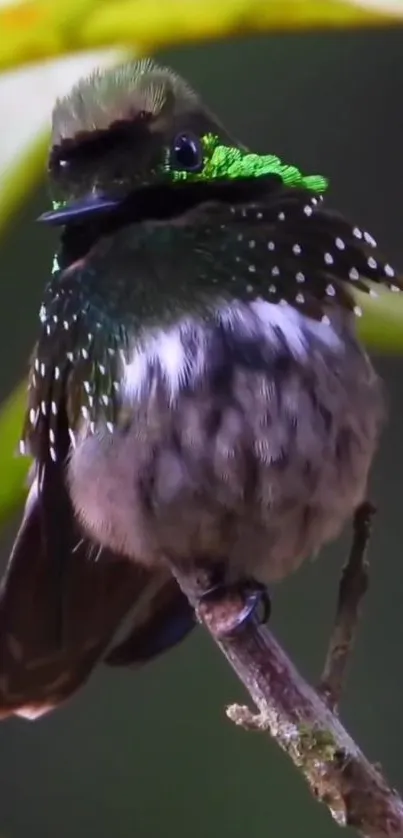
[83,208]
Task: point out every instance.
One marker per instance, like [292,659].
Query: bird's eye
[187,153]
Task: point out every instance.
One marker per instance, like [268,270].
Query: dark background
[152,753]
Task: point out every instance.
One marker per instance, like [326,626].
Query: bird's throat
[170,204]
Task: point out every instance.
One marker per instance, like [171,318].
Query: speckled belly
[258,460]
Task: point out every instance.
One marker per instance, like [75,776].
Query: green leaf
[381,326]
[13,468]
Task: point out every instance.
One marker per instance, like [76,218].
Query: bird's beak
[83,208]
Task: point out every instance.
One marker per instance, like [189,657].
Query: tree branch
[294,713]
[353,586]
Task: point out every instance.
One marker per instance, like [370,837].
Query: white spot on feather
[369,239]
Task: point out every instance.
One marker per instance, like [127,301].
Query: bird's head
[126,129]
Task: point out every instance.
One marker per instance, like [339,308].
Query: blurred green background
[151,753]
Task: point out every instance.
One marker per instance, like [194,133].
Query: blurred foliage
[13,469]
[22,178]
[36,30]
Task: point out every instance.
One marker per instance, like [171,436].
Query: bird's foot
[230,608]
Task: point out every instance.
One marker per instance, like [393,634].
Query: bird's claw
[229,608]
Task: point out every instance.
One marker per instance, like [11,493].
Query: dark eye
[187,153]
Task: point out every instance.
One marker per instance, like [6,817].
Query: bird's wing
[58,621]
[289,247]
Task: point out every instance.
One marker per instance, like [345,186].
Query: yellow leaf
[37,29]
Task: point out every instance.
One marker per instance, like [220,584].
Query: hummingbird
[198,393]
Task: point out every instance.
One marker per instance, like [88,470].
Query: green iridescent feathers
[120,94]
[220,161]
[121,123]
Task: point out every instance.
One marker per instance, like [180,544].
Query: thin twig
[295,715]
[353,586]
